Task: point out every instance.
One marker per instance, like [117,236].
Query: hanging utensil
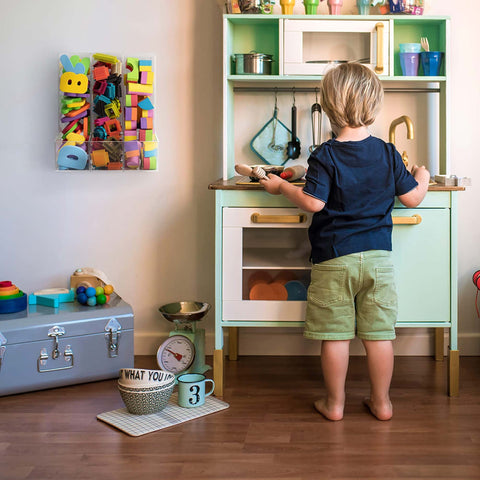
[273,145]
[270,143]
[293,147]
[316,124]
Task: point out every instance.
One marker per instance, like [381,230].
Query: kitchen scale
[184,349]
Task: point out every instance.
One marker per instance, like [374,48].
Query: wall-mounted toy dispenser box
[106,113]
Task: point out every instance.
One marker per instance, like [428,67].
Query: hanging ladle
[316,124]
[273,145]
[293,147]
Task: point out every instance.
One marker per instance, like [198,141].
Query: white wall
[153,233]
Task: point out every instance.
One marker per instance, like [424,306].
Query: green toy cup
[311,6]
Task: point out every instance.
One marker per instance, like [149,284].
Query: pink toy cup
[335,7]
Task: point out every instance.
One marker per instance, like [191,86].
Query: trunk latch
[112,337]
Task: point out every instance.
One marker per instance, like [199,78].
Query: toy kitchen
[272,70]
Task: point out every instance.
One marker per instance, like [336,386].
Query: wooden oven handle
[413,220]
[258,218]
[379,28]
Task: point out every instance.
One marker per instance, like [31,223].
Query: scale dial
[176,354]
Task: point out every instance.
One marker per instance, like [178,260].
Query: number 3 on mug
[195,397]
[191,389]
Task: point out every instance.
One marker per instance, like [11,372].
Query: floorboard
[270,431]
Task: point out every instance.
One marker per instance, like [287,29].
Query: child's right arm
[277,186]
[414,197]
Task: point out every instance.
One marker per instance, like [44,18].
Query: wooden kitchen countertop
[231,184]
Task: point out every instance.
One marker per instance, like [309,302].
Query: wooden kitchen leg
[233,343]
[453,372]
[439,344]
[218,372]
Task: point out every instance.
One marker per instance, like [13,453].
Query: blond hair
[351,95]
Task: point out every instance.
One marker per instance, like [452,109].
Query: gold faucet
[391,133]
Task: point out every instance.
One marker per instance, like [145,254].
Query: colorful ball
[82,298]
[81,289]
[108,289]
[101,299]
[92,301]
[99,291]
[90,292]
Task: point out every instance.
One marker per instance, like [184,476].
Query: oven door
[311,47]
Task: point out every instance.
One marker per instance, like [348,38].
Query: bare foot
[330,413]
[380,411]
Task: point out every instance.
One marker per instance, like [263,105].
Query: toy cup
[335,7]
[363,7]
[431,63]
[409,63]
[311,6]
[410,47]
[287,6]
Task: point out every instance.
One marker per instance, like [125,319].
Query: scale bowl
[184,312]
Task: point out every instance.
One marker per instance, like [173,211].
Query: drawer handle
[413,220]
[379,28]
[258,218]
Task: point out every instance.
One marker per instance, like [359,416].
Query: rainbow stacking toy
[12,299]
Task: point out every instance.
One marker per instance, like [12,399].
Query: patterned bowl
[143,378]
[145,389]
[146,403]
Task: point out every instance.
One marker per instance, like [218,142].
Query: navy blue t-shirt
[358,182]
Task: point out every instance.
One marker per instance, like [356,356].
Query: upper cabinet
[305,46]
[299,49]
[311,46]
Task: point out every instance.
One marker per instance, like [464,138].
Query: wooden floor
[270,431]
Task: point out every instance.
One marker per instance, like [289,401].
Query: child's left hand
[272,185]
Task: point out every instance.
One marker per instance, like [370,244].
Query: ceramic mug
[191,389]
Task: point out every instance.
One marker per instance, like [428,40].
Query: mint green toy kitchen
[259,234]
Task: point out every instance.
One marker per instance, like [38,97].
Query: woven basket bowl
[146,403]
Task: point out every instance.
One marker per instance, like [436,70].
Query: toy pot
[287,6]
[335,7]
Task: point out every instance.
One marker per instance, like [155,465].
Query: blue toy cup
[410,47]
[363,7]
[431,63]
[409,62]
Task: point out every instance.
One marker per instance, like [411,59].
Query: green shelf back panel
[410,31]
[260,36]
